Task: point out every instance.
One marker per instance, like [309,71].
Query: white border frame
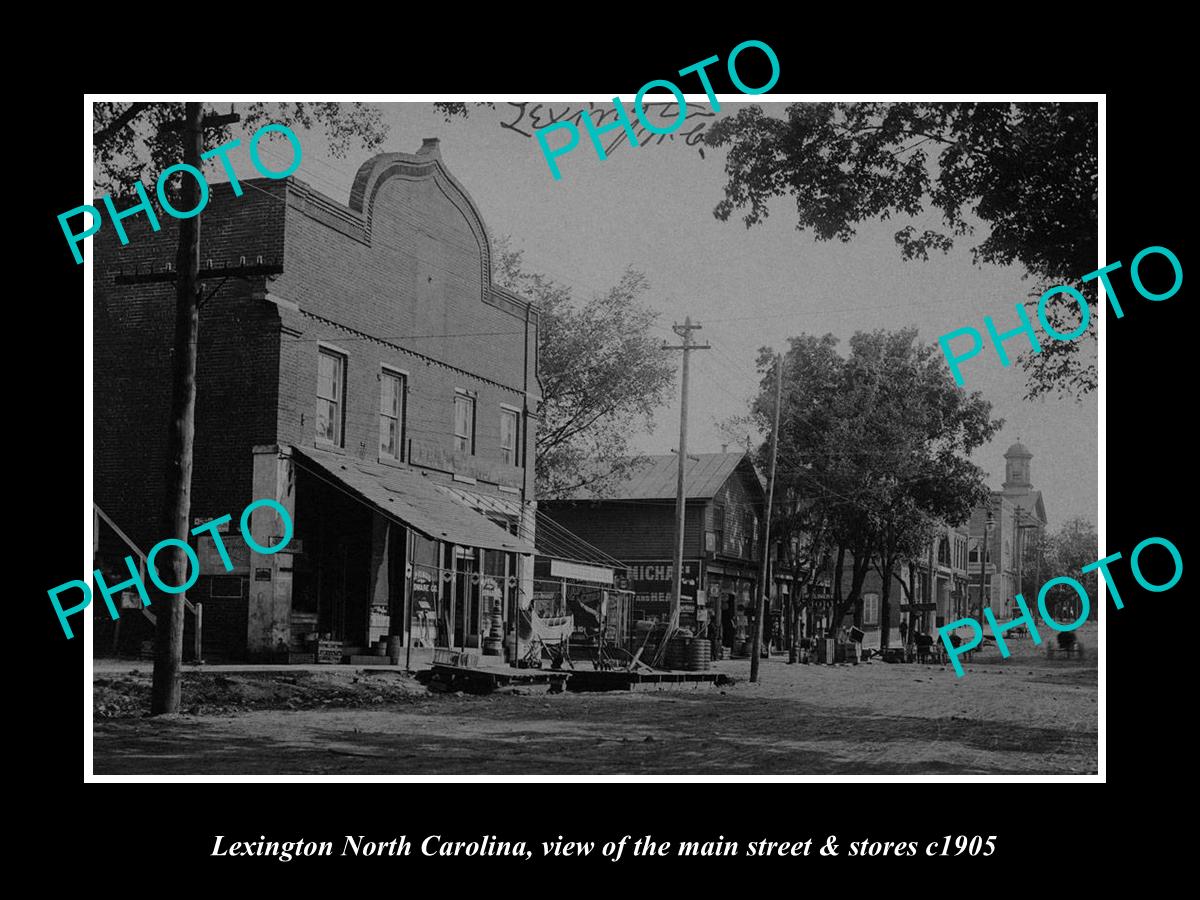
[88,195]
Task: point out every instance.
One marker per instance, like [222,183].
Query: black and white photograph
[709,436]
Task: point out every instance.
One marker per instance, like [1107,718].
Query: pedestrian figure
[903,633]
[924,644]
[727,622]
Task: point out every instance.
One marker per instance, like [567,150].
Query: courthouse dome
[1018,449]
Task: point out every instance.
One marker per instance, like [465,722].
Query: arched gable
[423,166]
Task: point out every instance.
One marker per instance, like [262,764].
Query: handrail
[134,547]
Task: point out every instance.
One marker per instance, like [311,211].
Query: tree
[1067,550]
[1028,170]
[905,531]
[877,441]
[128,140]
[135,141]
[803,536]
[603,376]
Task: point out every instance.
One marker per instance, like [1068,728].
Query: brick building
[634,521]
[924,591]
[376,383]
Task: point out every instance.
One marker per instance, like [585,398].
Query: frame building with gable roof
[634,521]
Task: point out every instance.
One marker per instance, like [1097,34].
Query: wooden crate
[329,652]
[444,656]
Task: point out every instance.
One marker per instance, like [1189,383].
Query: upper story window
[464,423]
[331,406]
[870,609]
[392,396]
[719,526]
[510,424]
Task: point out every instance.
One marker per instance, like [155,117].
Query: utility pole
[764,583]
[684,331]
[983,553]
[168,648]
[929,592]
[1020,552]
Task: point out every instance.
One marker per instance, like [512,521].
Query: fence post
[199,607]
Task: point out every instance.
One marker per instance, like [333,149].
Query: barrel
[395,645]
[676,656]
[699,656]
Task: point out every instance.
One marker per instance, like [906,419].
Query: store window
[331,378]
[392,393]
[429,589]
[870,609]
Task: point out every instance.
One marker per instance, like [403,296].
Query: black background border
[1147,417]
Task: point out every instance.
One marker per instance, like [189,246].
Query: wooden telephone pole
[168,645]
[765,566]
[684,331]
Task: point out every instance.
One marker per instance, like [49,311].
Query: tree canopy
[1062,553]
[135,141]
[603,375]
[876,442]
[1027,170]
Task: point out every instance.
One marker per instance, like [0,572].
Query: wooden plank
[196,657]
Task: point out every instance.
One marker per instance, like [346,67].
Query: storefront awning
[407,495]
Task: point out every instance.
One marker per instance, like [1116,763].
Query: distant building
[945,590]
[634,521]
[1013,522]
[945,579]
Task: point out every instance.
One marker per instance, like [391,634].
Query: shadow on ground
[594,734]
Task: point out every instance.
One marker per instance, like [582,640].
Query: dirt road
[1026,715]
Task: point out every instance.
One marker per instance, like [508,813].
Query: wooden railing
[196,609]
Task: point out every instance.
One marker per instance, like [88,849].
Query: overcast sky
[651,207]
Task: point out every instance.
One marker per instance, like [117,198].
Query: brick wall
[400,285]
[236,381]
[407,272]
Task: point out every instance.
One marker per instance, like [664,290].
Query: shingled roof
[654,479]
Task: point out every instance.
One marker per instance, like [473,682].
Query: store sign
[431,456]
[580,572]
[653,582]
